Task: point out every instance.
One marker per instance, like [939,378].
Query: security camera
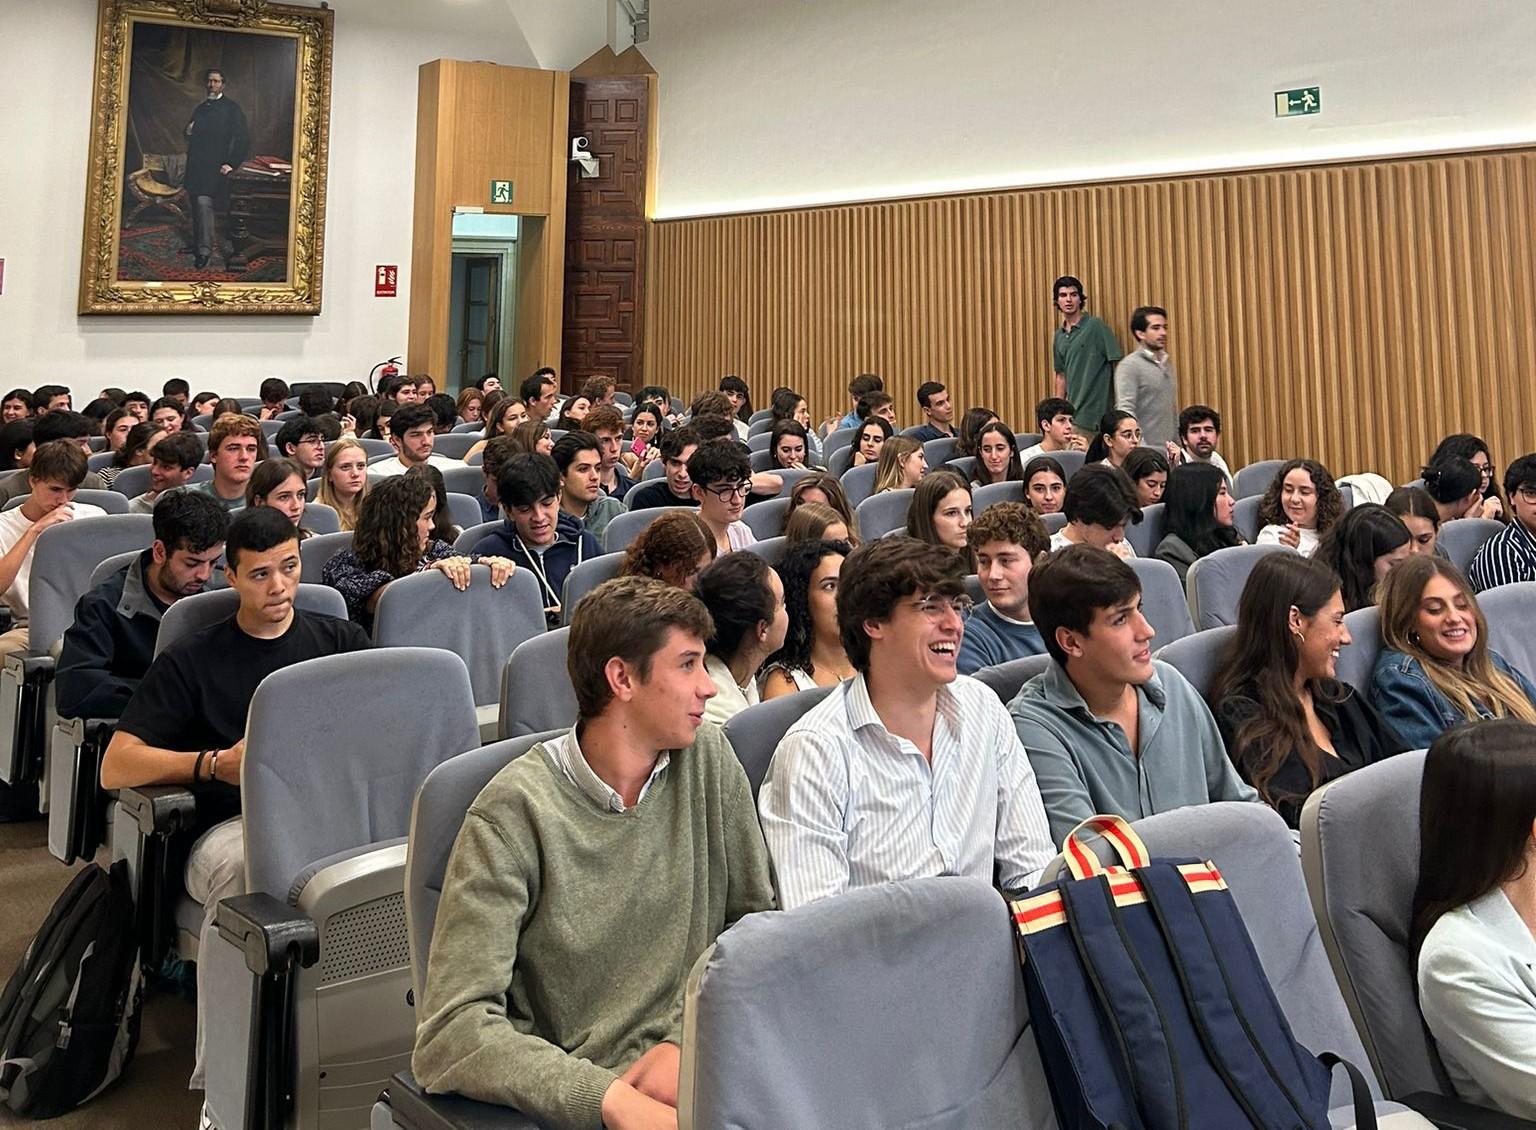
[581,154]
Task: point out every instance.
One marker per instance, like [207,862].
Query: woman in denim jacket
[1435,669]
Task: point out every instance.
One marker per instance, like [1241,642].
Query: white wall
[771,103]
[46,55]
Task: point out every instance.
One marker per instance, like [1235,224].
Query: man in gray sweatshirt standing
[1145,383]
[1106,728]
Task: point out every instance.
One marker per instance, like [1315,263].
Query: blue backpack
[1150,1006]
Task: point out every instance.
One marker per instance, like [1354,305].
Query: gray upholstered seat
[626,527]
[330,773]
[766,519]
[481,625]
[788,477]
[1054,523]
[1511,614]
[536,691]
[1198,657]
[829,1016]
[1461,538]
[435,822]
[64,558]
[1145,535]
[108,500]
[838,439]
[1215,582]
[879,514]
[937,452]
[134,481]
[316,551]
[1162,599]
[1357,659]
[1007,678]
[770,550]
[586,577]
[471,536]
[755,732]
[465,480]
[758,440]
[1255,478]
[840,460]
[1360,852]
[464,509]
[993,493]
[454,446]
[859,482]
[193,613]
[320,519]
[1245,517]
[1071,461]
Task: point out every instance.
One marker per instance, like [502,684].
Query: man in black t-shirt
[675,489]
[185,725]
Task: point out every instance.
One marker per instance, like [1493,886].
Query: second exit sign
[1303,100]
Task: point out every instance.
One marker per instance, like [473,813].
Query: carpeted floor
[157,252]
[153,1091]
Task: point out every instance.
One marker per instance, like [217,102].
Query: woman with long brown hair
[1436,669]
[394,539]
[940,514]
[1289,724]
[826,490]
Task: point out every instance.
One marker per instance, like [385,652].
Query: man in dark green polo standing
[1083,355]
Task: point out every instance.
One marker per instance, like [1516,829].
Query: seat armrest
[32,664]
[273,935]
[1455,1114]
[159,810]
[414,1109]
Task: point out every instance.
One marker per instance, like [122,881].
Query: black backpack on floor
[69,1017]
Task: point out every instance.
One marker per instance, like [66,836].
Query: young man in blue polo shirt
[1008,538]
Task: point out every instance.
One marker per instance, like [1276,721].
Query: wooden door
[605,234]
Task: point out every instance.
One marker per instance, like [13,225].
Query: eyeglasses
[935,606]
[726,491]
[1527,493]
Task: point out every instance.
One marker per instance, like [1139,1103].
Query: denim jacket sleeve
[1409,702]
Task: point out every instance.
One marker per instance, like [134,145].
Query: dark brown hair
[878,574]
[627,618]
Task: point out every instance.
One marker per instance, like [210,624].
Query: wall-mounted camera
[581,153]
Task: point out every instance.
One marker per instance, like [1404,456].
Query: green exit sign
[501,192]
[1306,100]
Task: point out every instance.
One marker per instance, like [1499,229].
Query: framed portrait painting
[206,183]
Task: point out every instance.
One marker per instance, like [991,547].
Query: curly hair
[386,536]
[1015,523]
[799,564]
[669,548]
[1330,503]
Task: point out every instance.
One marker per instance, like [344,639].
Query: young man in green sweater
[588,877]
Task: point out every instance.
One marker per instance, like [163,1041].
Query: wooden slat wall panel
[1352,312]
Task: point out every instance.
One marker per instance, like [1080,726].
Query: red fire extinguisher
[383,372]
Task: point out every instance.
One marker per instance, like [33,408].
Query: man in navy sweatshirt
[536,534]
[1009,538]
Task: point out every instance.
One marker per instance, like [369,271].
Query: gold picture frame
[180,218]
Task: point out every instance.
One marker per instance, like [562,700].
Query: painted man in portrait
[218,139]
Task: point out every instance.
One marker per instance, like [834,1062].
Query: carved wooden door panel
[605,235]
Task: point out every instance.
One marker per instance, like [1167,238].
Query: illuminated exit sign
[1306,100]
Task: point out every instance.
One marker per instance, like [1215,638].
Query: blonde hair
[893,454]
[346,512]
[1476,681]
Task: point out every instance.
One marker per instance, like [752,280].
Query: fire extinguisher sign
[386,280]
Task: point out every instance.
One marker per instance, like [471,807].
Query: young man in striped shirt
[1510,555]
[908,769]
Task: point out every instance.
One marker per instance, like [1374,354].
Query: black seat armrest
[273,935]
[414,1109]
[1455,1114]
[159,810]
